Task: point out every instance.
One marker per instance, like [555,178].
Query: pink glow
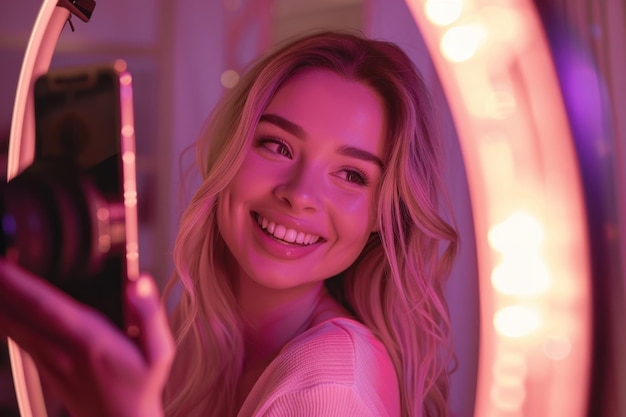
[534,268]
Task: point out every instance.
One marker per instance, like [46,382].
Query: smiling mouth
[284,234]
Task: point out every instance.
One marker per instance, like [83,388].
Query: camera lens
[47,217]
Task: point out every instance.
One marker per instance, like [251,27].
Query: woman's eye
[355,177]
[276,146]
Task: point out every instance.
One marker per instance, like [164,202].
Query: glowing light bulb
[128,130]
[521,276]
[102,213]
[523,270]
[120,66]
[460,43]
[145,288]
[128,157]
[516,321]
[519,231]
[126,79]
[130,198]
[443,12]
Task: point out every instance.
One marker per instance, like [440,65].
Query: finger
[53,327]
[41,349]
[33,304]
[147,313]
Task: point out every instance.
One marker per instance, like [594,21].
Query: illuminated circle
[443,12]
[102,213]
[128,130]
[527,275]
[104,243]
[520,231]
[144,287]
[126,79]
[460,43]
[229,78]
[128,157]
[120,66]
[516,321]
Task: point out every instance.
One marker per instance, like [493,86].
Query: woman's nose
[302,189]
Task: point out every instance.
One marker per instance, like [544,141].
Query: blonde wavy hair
[395,287]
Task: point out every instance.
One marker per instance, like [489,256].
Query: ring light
[53,14]
[494,62]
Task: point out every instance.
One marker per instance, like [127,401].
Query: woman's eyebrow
[299,132]
[364,155]
[284,124]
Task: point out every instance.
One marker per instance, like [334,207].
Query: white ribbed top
[336,368]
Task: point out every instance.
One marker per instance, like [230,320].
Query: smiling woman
[311,260]
[316,225]
[299,177]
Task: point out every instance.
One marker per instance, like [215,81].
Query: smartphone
[73,211]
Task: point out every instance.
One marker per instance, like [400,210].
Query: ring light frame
[46,31]
[494,63]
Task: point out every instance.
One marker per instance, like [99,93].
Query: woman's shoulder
[340,344]
[336,358]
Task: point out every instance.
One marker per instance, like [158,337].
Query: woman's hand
[94,368]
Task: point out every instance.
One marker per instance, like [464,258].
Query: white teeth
[280,231]
[310,239]
[288,235]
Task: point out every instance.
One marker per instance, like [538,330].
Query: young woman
[311,259]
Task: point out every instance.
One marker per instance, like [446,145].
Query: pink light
[534,268]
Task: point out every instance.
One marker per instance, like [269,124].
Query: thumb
[147,324]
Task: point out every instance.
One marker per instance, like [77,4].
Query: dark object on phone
[70,217]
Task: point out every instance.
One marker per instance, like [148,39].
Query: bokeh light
[229,78]
[460,43]
[443,12]
[516,321]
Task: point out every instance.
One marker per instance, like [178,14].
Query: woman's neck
[273,317]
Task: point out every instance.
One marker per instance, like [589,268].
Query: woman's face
[301,208]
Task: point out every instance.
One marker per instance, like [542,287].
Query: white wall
[191,61]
